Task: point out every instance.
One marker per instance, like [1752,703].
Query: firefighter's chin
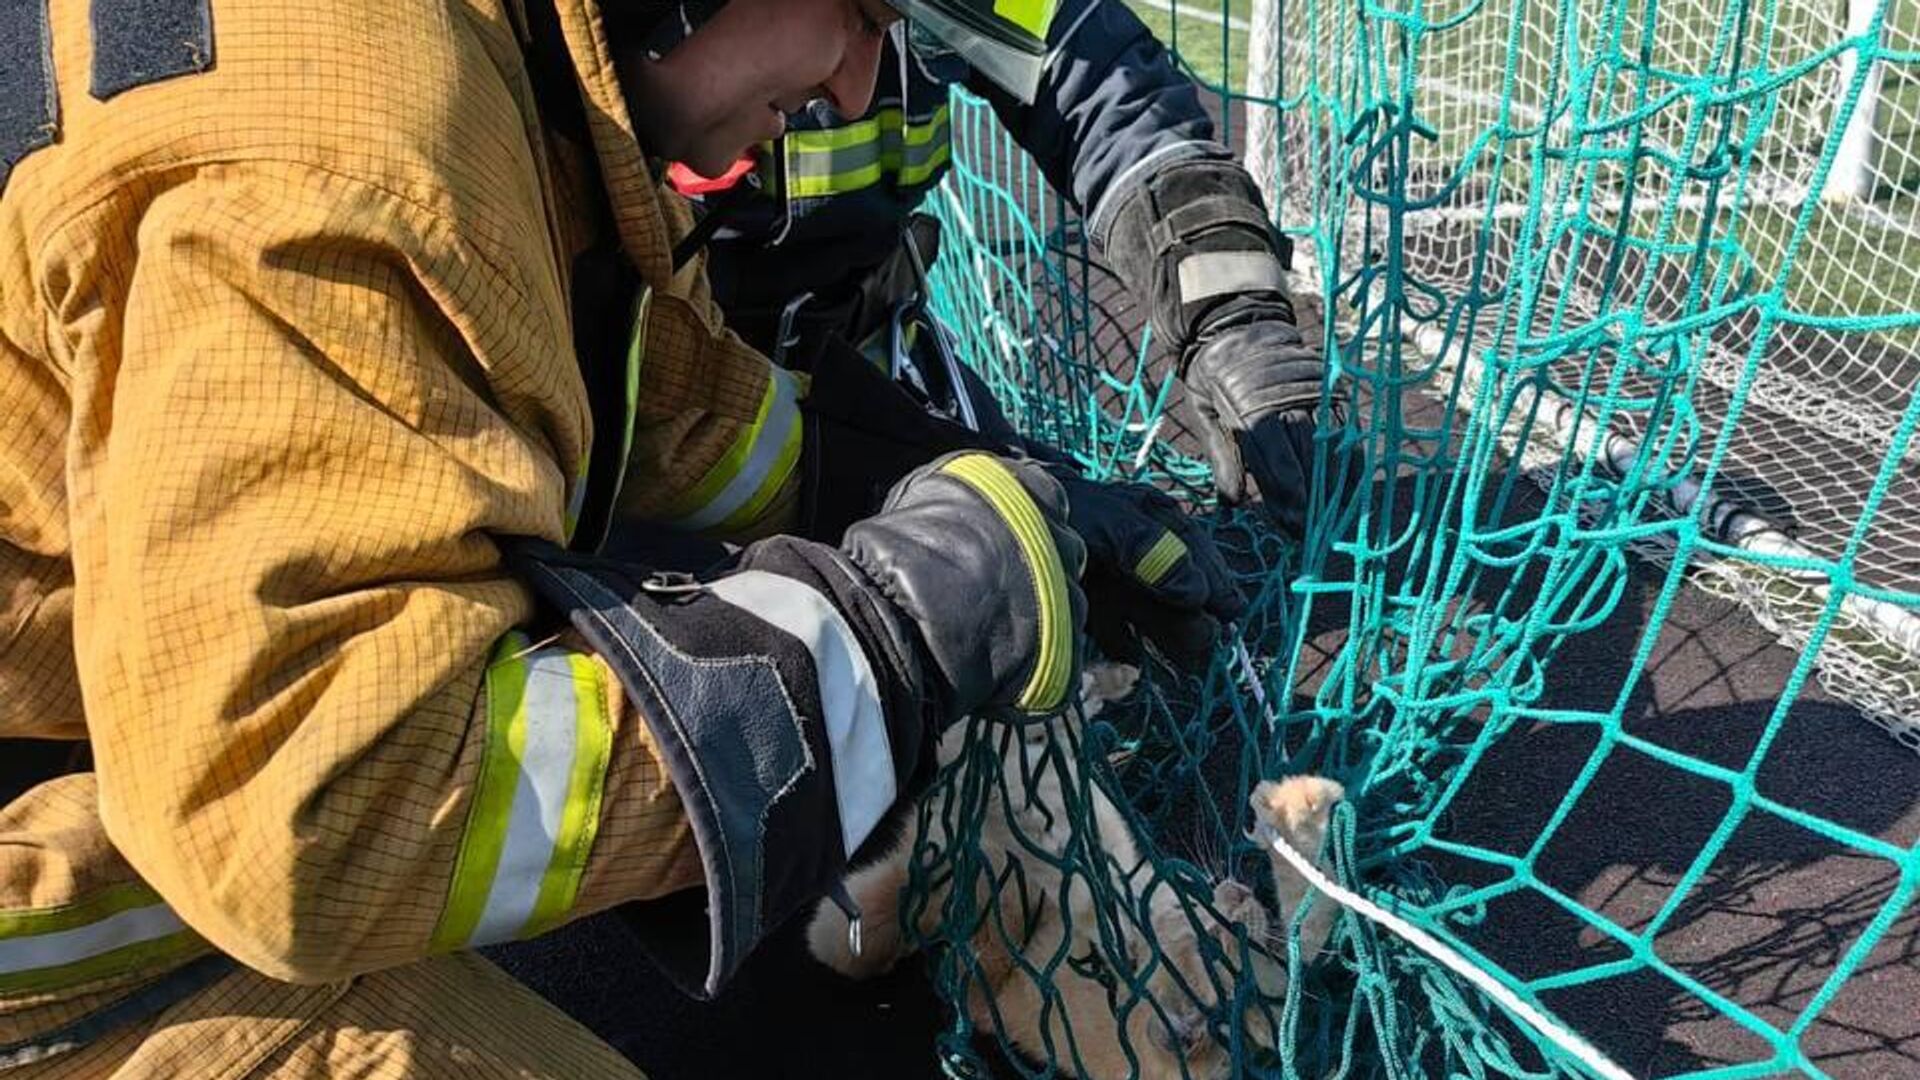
[705,133]
[712,151]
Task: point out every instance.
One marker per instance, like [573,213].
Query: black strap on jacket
[605,287]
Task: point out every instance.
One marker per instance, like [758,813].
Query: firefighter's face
[732,83]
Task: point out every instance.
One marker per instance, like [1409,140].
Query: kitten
[1092,1018]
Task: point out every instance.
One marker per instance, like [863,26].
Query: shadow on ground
[785,1017]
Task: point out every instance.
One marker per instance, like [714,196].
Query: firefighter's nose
[850,87]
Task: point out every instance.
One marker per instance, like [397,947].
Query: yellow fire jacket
[285,343]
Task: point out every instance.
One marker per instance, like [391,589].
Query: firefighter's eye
[869,25]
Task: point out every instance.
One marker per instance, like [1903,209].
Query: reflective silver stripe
[539,797]
[535,800]
[60,947]
[849,695]
[1217,273]
[770,437]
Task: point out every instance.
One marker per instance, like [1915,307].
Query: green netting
[1619,329]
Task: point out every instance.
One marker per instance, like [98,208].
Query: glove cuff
[972,550]
[1193,240]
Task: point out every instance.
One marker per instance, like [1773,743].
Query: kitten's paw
[1239,906]
[1297,808]
[1234,899]
[827,940]
[831,944]
[1103,684]
[1240,909]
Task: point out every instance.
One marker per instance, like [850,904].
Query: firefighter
[805,241]
[321,334]
[807,228]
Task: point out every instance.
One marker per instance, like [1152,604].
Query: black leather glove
[1152,573]
[1193,241]
[1256,390]
[863,434]
[975,552]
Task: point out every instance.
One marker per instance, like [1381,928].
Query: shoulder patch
[137,42]
[29,103]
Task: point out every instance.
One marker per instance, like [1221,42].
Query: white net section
[1699,217]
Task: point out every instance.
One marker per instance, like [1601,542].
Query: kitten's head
[1297,808]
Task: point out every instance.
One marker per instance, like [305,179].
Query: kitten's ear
[1230,896]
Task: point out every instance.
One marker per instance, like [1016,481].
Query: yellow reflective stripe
[756,504]
[752,470]
[918,145]
[110,901]
[1033,16]
[841,183]
[846,159]
[117,930]
[486,835]
[845,137]
[536,801]
[1047,687]
[819,187]
[1160,558]
[855,168]
[560,886]
[911,173]
[151,954]
[885,123]
[636,359]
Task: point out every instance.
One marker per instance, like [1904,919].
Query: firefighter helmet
[1005,40]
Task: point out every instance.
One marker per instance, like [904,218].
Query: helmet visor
[1005,40]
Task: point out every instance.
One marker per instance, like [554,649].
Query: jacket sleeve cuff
[785,733]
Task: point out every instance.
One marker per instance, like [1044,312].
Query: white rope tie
[1450,959]
[1448,956]
[1147,441]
